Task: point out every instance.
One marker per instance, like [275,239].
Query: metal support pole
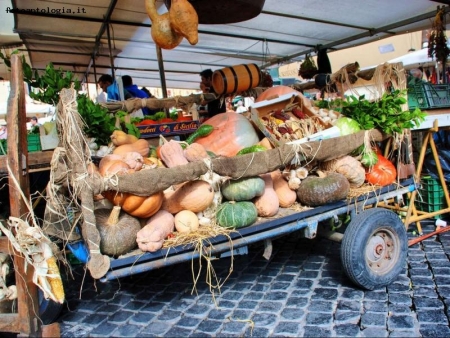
[111,58]
[161,71]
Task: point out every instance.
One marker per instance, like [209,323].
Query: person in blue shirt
[108,85]
[132,90]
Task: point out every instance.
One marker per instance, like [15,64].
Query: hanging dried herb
[308,68]
[437,41]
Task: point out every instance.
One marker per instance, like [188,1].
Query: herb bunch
[385,114]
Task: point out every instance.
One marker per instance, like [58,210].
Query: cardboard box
[265,108]
[165,129]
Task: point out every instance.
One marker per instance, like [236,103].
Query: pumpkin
[382,173]
[231,133]
[195,152]
[195,196]
[155,230]
[348,166]
[118,138]
[236,215]
[140,146]
[274,92]
[138,206]
[186,221]
[268,203]
[323,189]
[117,231]
[162,32]
[184,20]
[286,196]
[243,189]
[171,153]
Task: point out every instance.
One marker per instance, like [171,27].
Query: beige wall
[367,56]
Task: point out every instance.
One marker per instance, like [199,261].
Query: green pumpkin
[243,189]
[315,191]
[236,215]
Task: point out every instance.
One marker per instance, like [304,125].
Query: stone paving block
[169,315]
[379,296]
[120,317]
[270,306]
[402,308]
[321,306]
[297,302]
[309,274]
[401,322]
[303,284]
[329,282]
[351,294]
[280,286]
[442,280]
[420,272]
[399,288]
[292,314]
[348,305]
[156,328]
[428,303]
[287,329]
[429,292]
[209,326]
[257,332]
[264,319]
[346,317]
[242,287]
[255,296]
[247,304]
[232,328]
[153,307]
[142,318]
[325,294]
[199,309]
[441,271]
[128,331]
[372,306]
[434,330]
[95,319]
[188,322]
[370,319]
[316,331]
[347,330]
[371,332]
[399,299]
[276,295]
[103,330]
[260,288]
[319,318]
[265,280]
[436,316]
[77,331]
[404,334]
[74,317]
[108,309]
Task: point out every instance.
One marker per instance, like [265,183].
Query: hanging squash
[184,20]
[162,32]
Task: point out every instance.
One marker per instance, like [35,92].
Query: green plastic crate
[33,140]
[438,95]
[430,197]
[417,97]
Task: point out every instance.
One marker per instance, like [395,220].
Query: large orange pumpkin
[232,132]
[272,92]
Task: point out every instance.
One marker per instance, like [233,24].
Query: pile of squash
[230,203]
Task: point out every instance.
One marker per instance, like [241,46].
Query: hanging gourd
[184,20]
[162,32]
[437,40]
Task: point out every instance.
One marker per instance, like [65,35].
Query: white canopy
[32,108]
[415,59]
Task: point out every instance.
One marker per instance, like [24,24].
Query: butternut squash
[184,20]
[267,204]
[140,146]
[151,237]
[286,196]
[162,33]
[195,196]
[118,138]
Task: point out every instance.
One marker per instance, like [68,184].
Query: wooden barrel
[236,79]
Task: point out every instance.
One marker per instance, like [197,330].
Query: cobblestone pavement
[301,292]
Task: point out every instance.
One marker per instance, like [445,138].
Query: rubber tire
[355,243]
[49,310]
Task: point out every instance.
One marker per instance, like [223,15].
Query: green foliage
[385,114]
[99,122]
[128,127]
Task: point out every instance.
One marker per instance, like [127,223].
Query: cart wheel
[374,248]
[49,310]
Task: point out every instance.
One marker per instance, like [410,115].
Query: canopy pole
[111,58]
[161,71]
